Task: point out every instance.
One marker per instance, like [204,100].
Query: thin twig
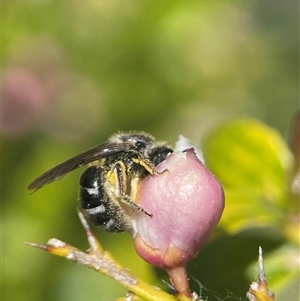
[102,261]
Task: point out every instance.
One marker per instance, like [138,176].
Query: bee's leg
[126,199]
[120,174]
[148,166]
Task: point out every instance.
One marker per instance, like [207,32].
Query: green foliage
[254,164]
[87,69]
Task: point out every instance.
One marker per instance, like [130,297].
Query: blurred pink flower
[24,100]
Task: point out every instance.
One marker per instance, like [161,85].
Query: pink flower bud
[186,202]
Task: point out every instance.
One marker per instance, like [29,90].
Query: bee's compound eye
[159,154]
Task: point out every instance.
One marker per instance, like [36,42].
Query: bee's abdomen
[96,205]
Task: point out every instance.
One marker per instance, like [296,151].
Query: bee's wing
[93,154]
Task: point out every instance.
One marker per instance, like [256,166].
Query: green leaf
[253,162]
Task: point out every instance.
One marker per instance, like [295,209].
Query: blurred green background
[75,72]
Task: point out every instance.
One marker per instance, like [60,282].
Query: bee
[108,186]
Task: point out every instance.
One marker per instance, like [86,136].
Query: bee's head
[141,142]
[145,145]
[159,154]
